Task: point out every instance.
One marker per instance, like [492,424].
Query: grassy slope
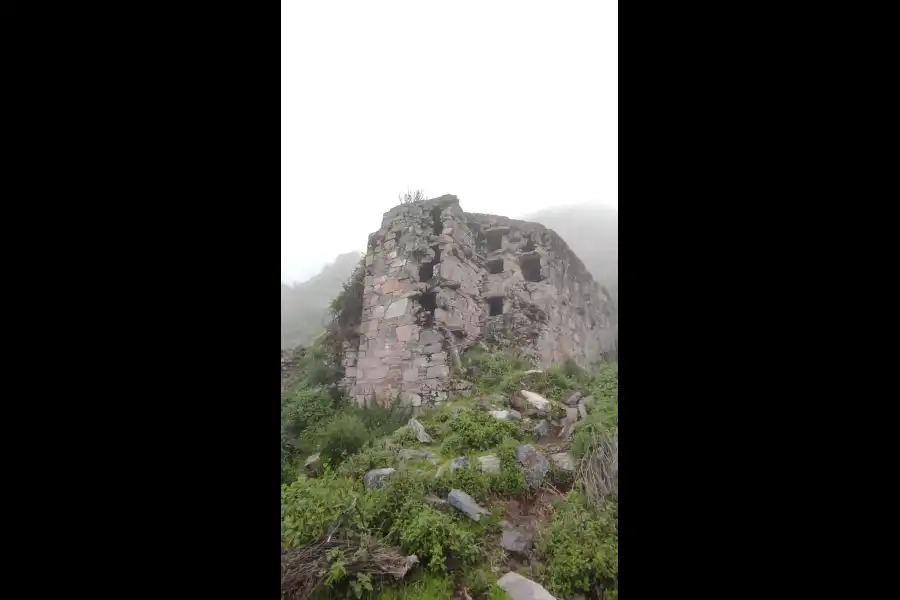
[577,545]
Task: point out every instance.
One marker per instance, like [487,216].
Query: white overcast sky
[511,106]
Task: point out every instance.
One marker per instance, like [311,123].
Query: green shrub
[482,584]
[427,586]
[469,479]
[604,416]
[488,369]
[477,430]
[372,456]
[509,482]
[434,536]
[580,548]
[305,408]
[343,436]
[310,506]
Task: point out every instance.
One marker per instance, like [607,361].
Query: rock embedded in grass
[522,588]
[419,430]
[516,540]
[535,401]
[460,500]
[563,461]
[534,465]
[374,479]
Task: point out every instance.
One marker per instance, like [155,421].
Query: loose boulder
[460,500]
[563,461]
[374,479]
[582,410]
[534,465]
[522,588]
[571,416]
[419,430]
[573,399]
[516,540]
[542,428]
[538,402]
[506,415]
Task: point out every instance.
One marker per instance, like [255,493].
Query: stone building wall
[438,280]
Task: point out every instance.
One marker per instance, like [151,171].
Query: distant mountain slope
[592,232]
[304,306]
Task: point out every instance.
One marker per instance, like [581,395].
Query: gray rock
[489,464]
[460,500]
[533,464]
[454,412]
[397,308]
[573,399]
[313,465]
[419,430]
[582,410]
[459,463]
[542,428]
[515,415]
[414,453]
[437,503]
[589,401]
[538,402]
[571,416]
[522,588]
[563,461]
[375,478]
[516,540]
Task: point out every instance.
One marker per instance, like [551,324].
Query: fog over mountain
[304,306]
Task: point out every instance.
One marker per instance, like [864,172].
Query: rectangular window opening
[495,306]
[494,240]
[531,267]
[495,266]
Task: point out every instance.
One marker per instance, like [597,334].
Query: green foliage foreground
[576,550]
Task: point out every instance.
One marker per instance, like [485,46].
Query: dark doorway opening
[495,306]
[531,267]
[494,240]
[426,272]
[428,301]
[436,220]
[495,266]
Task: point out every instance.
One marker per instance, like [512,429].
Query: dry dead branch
[304,569]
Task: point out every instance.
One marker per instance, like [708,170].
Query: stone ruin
[439,280]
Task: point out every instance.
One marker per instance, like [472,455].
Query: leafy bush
[510,481]
[372,456]
[476,430]
[488,369]
[305,408]
[429,586]
[343,436]
[434,536]
[469,479]
[310,507]
[580,548]
[604,416]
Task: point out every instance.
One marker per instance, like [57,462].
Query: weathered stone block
[396,308]
[438,371]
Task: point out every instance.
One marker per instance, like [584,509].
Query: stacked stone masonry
[439,280]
